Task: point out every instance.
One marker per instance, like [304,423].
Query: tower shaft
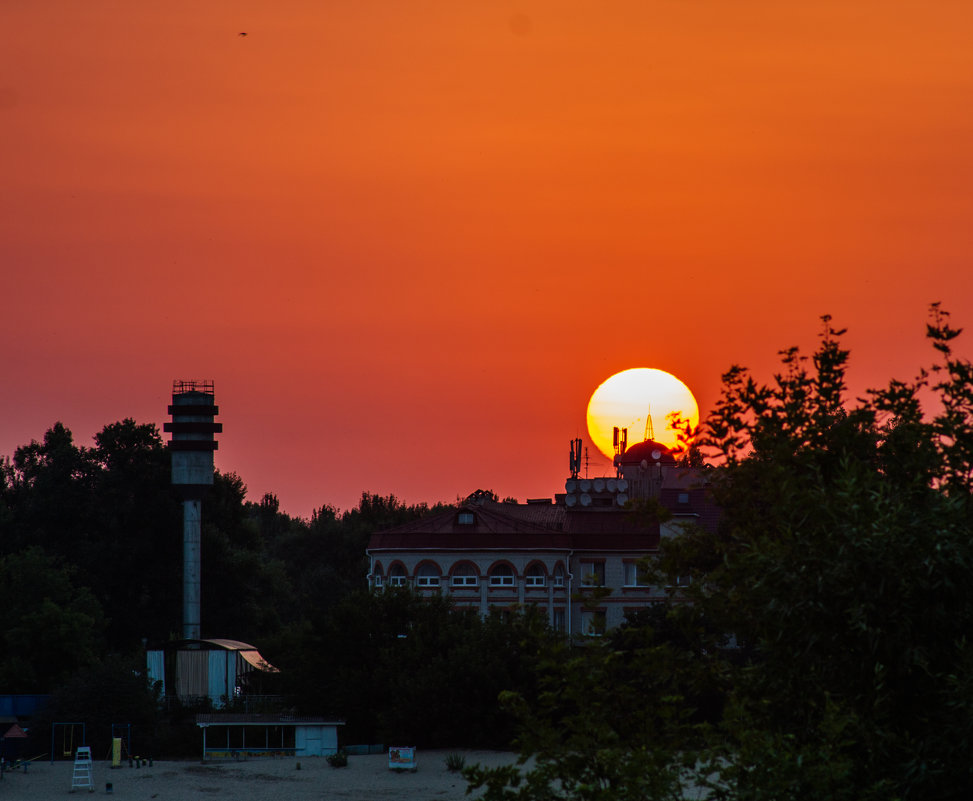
[192,446]
[192,567]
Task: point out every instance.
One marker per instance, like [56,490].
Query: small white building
[239,736]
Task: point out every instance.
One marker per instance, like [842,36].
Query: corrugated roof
[246,651]
[539,526]
[254,658]
[231,645]
[507,526]
[263,719]
[493,525]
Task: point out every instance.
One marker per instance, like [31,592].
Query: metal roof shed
[212,668]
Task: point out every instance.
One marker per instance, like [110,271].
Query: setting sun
[630,399]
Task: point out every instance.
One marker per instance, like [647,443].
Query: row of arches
[466,574]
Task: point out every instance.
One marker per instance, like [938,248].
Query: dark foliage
[414,669]
[91,567]
[112,691]
[825,650]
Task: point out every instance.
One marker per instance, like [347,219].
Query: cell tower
[192,446]
[620,441]
[574,461]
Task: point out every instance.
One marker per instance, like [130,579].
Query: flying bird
[242,33]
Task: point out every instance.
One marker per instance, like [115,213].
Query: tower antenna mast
[575,458]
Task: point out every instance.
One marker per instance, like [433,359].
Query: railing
[249,704]
[260,703]
[244,753]
[206,387]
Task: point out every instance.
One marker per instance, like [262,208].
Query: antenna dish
[599,485]
[571,500]
[585,499]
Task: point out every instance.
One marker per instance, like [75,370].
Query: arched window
[502,576]
[427,575]
[535,575]
[377,579]
[559,576]
[396,576]
[464,575]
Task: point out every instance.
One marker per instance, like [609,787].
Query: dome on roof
[648,451]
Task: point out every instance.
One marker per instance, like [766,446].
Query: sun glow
[630,398]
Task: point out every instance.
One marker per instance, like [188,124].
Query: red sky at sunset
[407,239]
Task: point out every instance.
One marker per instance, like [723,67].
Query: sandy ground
[366,778]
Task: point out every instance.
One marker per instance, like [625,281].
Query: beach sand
[366,778]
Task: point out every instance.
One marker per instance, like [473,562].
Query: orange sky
[407,239]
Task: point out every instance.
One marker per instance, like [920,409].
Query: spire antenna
[649,432]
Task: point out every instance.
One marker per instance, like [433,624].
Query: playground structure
[11,745]
[121,743]
[73,736]
[82,778]
[68,736]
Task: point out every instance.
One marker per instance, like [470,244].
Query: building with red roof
[575,556]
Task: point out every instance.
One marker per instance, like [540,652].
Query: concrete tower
[192,446]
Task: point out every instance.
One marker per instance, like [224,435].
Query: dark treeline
[91,570]
[817,647]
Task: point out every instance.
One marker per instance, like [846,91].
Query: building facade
[578,558]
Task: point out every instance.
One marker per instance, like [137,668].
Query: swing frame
[67,726]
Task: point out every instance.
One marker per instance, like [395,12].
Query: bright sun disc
[627,398]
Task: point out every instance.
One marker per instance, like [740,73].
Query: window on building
[535,576]
[396,576]
[502,576]
[593,574]
[593,622]
[635,575]
[559,576]
[377,581]
[557,620]
[464,575]
[427,575]
[465,518]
